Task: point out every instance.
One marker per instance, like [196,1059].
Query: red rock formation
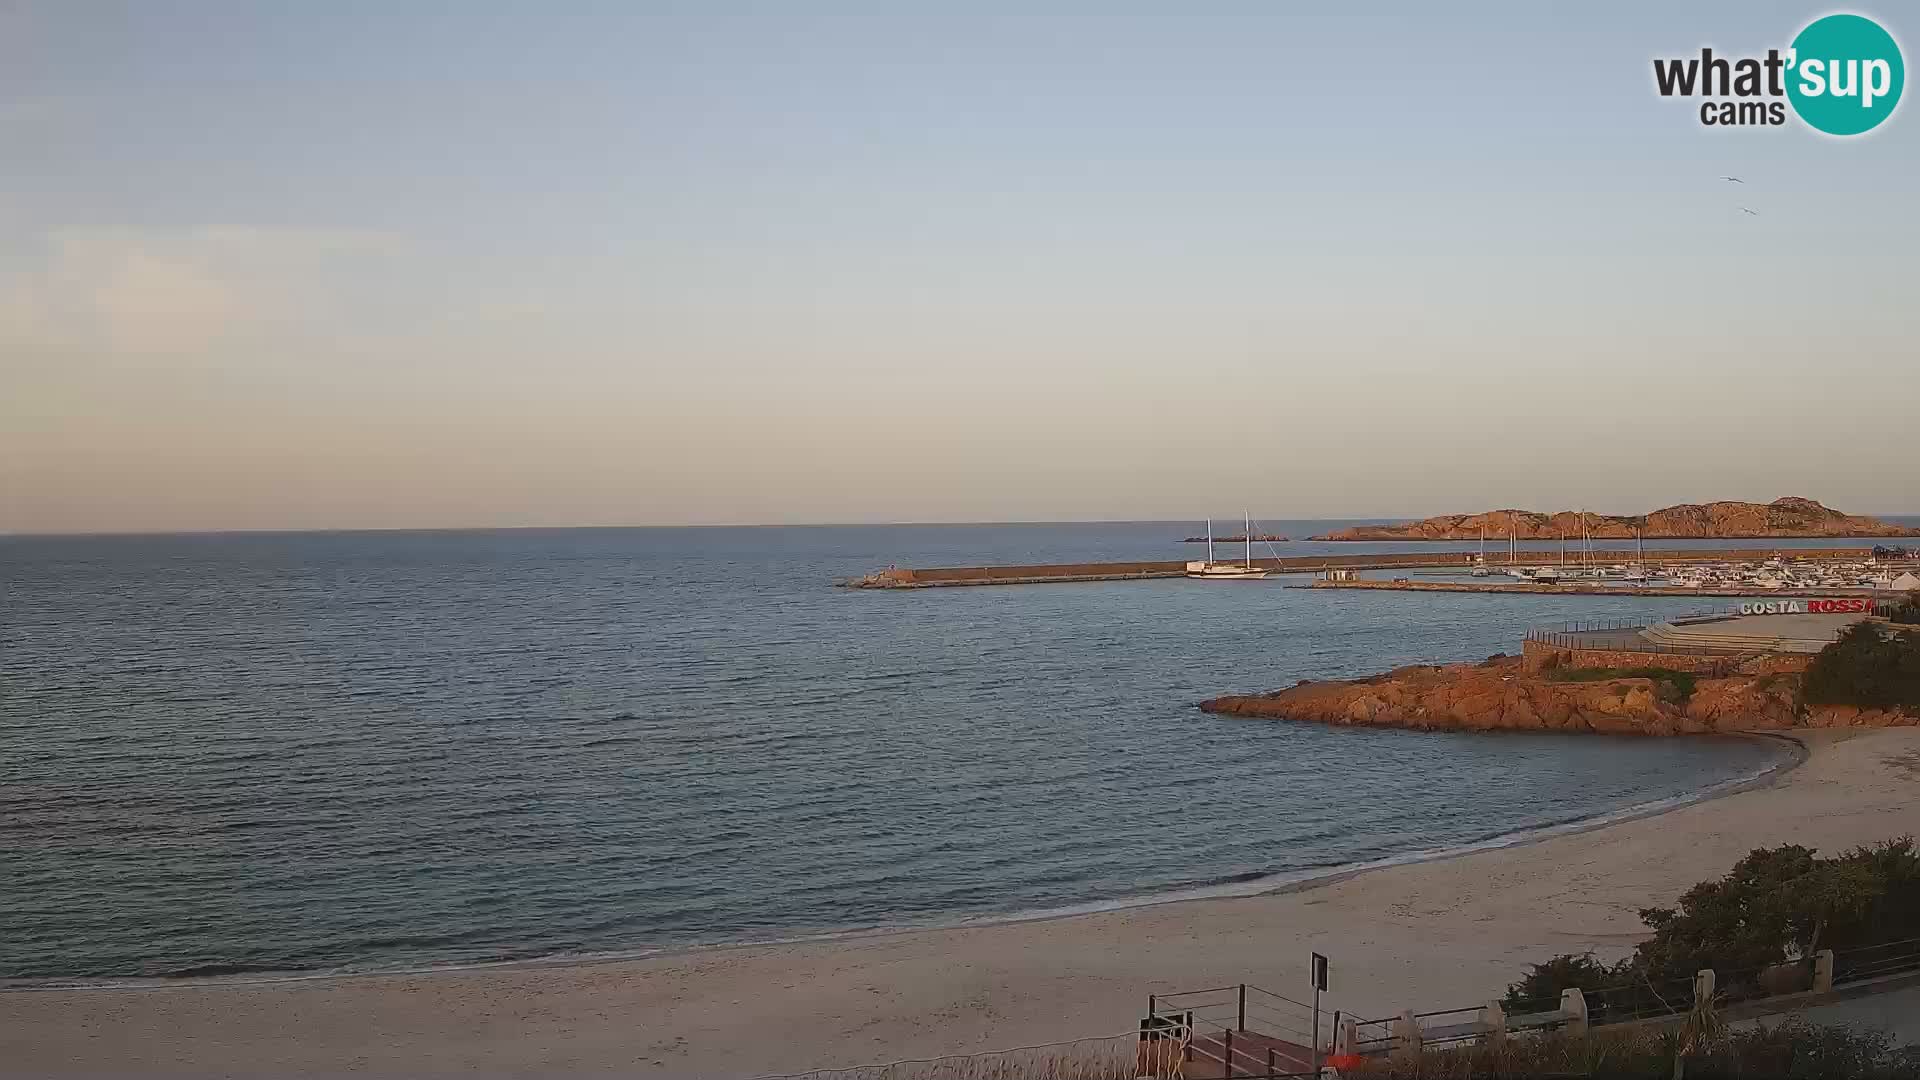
[1501,695]
[1781,518]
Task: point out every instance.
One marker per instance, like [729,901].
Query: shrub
[1673,687]
[1539,990]
[1776,905]
[1866,667]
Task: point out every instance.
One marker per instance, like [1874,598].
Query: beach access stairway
[1228,1031]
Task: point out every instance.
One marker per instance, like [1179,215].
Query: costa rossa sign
[1850,605]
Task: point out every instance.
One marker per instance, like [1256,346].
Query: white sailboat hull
[1217,571]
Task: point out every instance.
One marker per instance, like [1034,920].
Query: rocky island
[1787,518]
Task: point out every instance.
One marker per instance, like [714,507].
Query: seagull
[1735,179]
[1755,213]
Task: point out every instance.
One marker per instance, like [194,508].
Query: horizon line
[54,534]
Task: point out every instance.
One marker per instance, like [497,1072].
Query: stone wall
[1776,664]
[1541,656]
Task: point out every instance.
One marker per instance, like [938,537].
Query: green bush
[1867,667]
[1776,905]
[1539,990]
[1674,687]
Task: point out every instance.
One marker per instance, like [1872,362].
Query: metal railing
[1876,961]
[1241,1030]
[1573,640]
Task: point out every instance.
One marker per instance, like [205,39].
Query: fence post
[1494,1019]
[1574,1004]
[1271,1069]
[1242,1024]
[1823,971]
[1151,998]
[1406,1037]
[1347,1036]
[1226,1055]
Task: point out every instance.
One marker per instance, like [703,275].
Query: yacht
[1480,568]
[1227,571]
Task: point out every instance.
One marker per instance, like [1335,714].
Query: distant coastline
[1782,519]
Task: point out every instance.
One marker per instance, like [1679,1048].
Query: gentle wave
[330,752]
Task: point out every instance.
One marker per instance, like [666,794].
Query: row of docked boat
[1774,573]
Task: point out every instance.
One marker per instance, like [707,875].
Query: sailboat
[1227,571]
[1480,561]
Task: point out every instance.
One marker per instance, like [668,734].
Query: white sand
[1430,935]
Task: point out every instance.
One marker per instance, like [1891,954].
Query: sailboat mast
[1249,527]
[1209,539]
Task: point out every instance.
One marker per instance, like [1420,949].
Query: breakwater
[899,577]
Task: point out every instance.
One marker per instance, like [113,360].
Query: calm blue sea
[280,752]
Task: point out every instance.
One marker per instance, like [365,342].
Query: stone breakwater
[1507,693]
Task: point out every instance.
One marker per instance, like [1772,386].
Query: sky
[357,265]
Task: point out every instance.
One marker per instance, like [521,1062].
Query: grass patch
[1675,687]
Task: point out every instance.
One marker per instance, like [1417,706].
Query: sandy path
[1431,935]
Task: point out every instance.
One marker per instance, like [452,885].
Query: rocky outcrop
[1779,519]
[1501,694]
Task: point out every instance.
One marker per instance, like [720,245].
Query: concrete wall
[1541,656]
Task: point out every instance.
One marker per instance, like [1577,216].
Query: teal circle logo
[1845,74]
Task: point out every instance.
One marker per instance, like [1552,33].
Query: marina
[1678,572]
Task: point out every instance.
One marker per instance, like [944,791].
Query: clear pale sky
[371,265]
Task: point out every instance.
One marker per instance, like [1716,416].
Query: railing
[1876,961]
[1573,640]
[1241,1030]
[1642,1000]
[1443,1027]
[1647,1000]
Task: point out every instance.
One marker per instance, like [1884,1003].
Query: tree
[1867,668]
[1775,905]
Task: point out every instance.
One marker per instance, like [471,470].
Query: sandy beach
[1429,935]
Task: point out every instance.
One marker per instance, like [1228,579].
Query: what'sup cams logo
[1842,75]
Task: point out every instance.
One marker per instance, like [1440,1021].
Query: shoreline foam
[1795,753]
[1440,933]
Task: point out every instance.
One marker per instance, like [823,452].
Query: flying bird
[1755,213]
[1735,179]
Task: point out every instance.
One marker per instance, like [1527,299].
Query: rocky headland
[1780,519]
[1509,693]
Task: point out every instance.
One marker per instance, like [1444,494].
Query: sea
[247,755]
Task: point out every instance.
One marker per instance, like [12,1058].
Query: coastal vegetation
[1866,667]
[1674,687]
[1791,1049]
[1776,908]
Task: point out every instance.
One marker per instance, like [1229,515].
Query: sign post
[1319,984]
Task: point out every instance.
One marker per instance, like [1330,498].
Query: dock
[895,577]
[1589,588]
